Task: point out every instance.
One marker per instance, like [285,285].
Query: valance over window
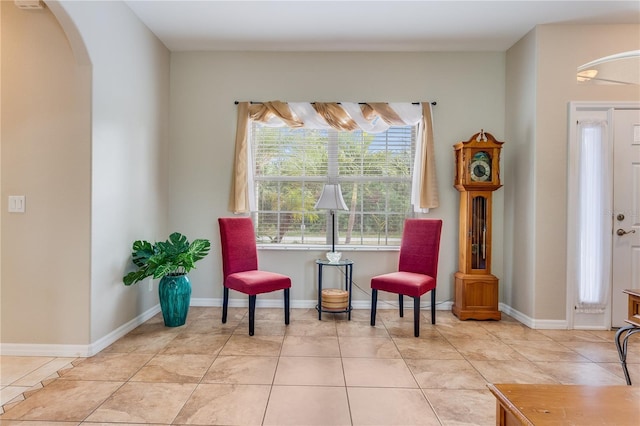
[345,116]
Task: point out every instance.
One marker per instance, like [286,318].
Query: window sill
[323,248]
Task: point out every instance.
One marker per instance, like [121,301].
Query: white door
[626,211]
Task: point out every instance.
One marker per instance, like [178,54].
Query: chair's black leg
[286,306]
[252,313]
[225,303]
[433,306]
[416,316]
[374,303]
[401,305]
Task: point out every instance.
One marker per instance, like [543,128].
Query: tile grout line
[38,386]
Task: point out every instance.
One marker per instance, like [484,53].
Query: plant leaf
[199,249]
[142,250]
[178,243]
[164,269]
[135,276]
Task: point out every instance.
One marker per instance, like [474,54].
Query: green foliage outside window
[292,165]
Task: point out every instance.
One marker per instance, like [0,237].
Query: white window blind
[290,167]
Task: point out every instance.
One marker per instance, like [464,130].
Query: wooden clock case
[476,289]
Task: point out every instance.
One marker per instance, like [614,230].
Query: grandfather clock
[477,176]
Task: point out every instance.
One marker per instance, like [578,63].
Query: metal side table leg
[319,305]
[622,336]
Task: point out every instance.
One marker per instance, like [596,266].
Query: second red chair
[240,267]
[417,269]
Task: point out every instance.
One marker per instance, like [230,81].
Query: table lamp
[331,199]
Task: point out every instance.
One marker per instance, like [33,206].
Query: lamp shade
[331,198]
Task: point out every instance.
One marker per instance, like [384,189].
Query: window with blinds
[290,167]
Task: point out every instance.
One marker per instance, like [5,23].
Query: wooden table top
[633,315]
[632,291]
[570,404]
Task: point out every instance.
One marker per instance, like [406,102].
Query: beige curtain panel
[369,117]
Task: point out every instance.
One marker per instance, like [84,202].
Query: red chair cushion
[407,283]
[256,282]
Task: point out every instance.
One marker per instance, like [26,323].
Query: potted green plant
[170,261]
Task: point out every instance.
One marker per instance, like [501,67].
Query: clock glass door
[479,233]
[480,167]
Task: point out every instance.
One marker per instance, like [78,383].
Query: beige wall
[469,89]
[555,51]
[85,138]
[518,289]
[1,192]
[46,156]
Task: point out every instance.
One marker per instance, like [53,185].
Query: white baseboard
[76,351]
[532,322]
[116,334]
[51,350]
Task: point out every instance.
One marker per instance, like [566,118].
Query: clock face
[480,167]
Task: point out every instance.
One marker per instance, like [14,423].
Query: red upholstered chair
[240,267]
[417,269]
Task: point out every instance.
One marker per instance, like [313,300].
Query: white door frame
[578,110]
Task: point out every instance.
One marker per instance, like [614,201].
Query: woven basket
[334,299]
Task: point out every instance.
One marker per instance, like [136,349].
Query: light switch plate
[16,203]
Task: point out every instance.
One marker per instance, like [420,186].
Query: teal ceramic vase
[175,295]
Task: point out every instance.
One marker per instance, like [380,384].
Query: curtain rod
[434,103]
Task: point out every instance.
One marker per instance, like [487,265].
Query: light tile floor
[329,372]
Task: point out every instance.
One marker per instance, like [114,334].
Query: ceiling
[365,25]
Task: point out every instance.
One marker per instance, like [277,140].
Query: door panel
[626,211]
